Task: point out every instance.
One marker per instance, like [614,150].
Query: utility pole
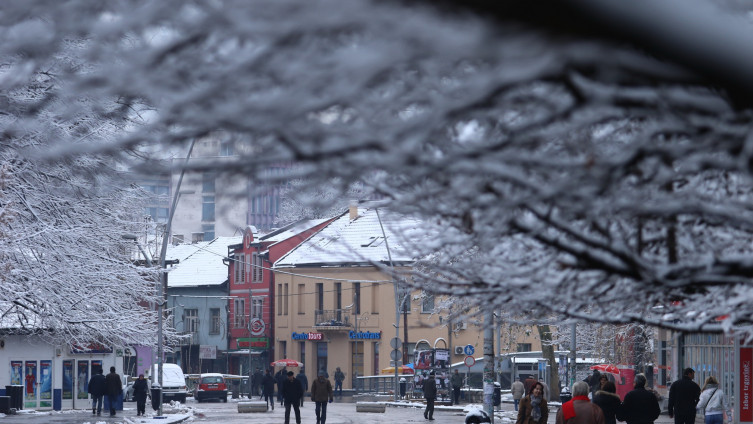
[489,363]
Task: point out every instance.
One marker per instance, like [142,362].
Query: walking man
[280,377]
[268,389]
[321,393]
[430,394]
[97,388]
[339,377]
[114,388]
[457,383]
[301,377]
[640,406]
[518,390]
[292,392]
[683,398]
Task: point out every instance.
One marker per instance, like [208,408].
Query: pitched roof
[358,242]
[201,263]
[292,230]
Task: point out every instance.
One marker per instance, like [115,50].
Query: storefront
[53,377]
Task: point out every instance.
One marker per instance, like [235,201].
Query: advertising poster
[16,373]
[45,383]
[442,358]
[30,384]
[424,359]
[96,365]
[68,379]
[82,380]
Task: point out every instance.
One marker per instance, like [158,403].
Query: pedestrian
[339,377]
[301,377]
[457,383]
[640,406]
[321,393]
[97,388]
[280,378]
[683,398]
[528,383]
[292,392]
[603,379]
[140,392]
[268,389]
[712,405]
[594,382]
[256,378]
[517,390]
[533,408]
[430,394]
[114,389]
[608,400]
[580,410]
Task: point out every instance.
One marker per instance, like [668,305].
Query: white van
[173,382]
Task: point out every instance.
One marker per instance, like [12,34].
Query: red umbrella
[290,363]
[608,368]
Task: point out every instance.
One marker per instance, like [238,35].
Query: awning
[245,352]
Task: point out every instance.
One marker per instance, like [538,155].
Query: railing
[332,318]
[188,338]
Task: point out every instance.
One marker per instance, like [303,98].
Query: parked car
[128,392]
[211,386]
[173,382]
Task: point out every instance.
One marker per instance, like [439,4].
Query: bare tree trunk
[547,350]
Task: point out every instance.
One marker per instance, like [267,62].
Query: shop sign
[308,336]
[364,335]
[258,342]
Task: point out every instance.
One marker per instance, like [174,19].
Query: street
[227,413]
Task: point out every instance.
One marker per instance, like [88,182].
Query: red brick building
[252,292]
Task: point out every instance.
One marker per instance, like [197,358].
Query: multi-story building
[251,289]
[335,303]
[197,288]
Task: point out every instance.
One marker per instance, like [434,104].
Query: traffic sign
[469,350]
[469,361]
[396,355]
[396,343]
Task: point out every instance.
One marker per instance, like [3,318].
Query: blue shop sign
[364,335]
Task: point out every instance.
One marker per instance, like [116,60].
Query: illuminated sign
[308,336]
[364,335]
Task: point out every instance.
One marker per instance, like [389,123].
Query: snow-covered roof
[358,241]
[292,230]
[201,263]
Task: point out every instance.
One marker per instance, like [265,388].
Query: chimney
[353,210]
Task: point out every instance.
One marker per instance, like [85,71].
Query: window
[279,299]
[284,349]
[287,299]
[427,302]
[321,356]
[376,369]
[303,352]
[357,298]
[339,300]
[238,267]
[227,148]
[357,358]
[320,296]
[524,347]
[301,298]
[207,183]
[239,313]
[256,268]
[191,320]
[375,300]
[162,214]
[208,230]
[207,208]
[257,305]
[214,314]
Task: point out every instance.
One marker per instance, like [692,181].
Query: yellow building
[335,302]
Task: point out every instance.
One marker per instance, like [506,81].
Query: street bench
[370,407]
[252,406]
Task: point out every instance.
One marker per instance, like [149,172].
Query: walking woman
[713,402]
[608,400]
[533,408]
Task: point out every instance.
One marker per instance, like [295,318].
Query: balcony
[333,319]
[187,338]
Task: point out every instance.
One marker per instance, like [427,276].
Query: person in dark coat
[280,377]
[683,398]
[594,381]
[301,377]
[321,393]
[292,392]
[114,388]
[608,400]
[430,394]
[268,389]
[97,389]
[256,380]
[640,406]
[140,392]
